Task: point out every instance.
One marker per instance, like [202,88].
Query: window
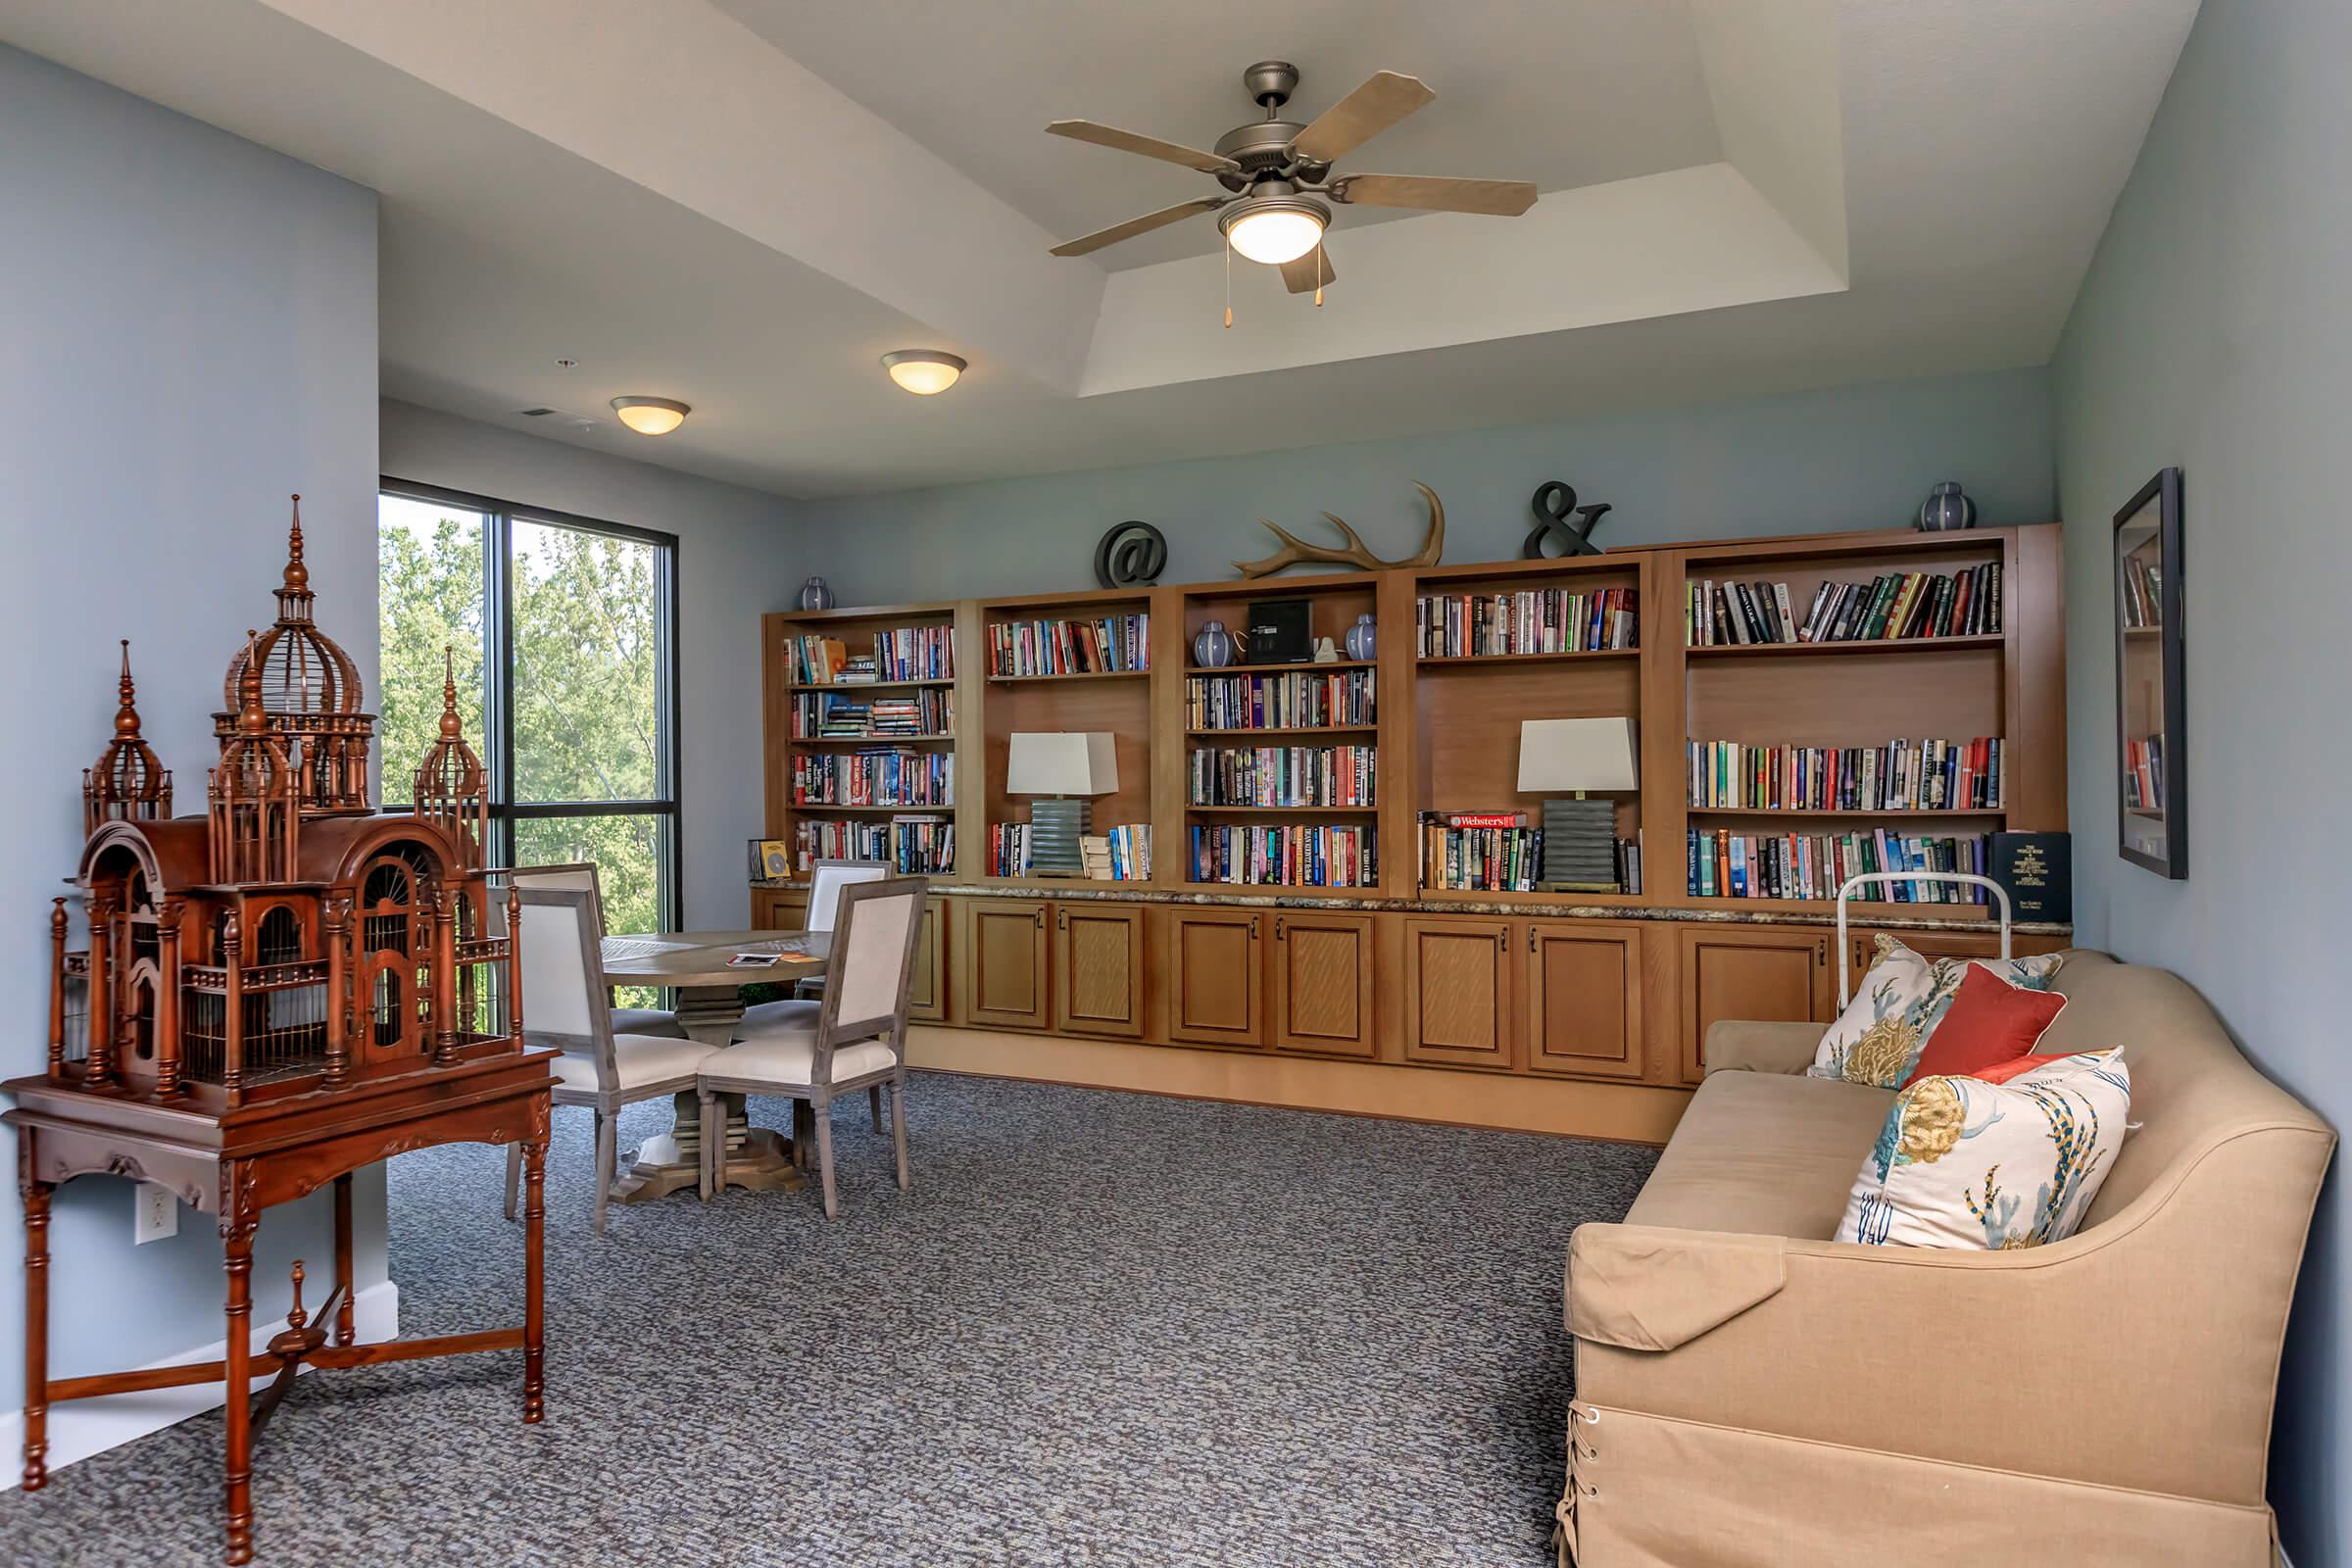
[559,630]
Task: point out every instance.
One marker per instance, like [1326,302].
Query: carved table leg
[237,1234]
[534,1275]
[36,1319]
[346,1331]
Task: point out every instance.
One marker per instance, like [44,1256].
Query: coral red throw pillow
[1991,1023]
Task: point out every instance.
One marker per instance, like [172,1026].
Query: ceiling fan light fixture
[925,372]
[1274,229]
[650,416]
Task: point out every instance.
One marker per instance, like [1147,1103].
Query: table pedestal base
[758,1158]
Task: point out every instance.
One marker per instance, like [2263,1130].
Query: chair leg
[709,1165]
[898,1124]
[608,1156]
[874,1097]
[804,1133]
[824,1156]
[513,1175]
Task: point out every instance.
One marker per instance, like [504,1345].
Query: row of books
[1532,620]
[1282,775]
[1815,865]
[1889,607]
[2143,592]
[1499,851]
[1291,856]
[826,715]
[905,652]
[1122,854]
[918,846]
[1902,775]
[1069,647]
[2144,774]
[1300,700]
[875,778]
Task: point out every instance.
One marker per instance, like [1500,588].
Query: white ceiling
[744,202]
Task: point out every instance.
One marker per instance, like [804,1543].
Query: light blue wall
[2214,333]
[188,334]
[1854,457]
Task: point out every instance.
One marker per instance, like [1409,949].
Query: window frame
[497,686]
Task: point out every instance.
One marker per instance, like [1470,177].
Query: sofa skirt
[1649,1492]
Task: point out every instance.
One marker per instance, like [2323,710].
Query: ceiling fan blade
[1127,141]
[1497,198]
[1137,225]
[1385,98]
[1298,275]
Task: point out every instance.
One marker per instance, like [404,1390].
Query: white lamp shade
[1061,762]
[1576,754]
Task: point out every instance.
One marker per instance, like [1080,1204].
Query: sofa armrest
[1739,1044]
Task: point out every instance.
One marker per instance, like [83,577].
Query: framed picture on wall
[2151,689]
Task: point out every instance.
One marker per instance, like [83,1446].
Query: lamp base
[1580,845]
[1055,828]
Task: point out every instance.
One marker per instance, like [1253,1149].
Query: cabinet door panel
[778,909]
[1099,969]
[1584,997]
[1214,978]
[1457,993]
[1005,969]
[1323,984]
[927,1002]
[1764,973]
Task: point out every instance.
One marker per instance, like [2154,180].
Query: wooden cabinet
[1457,992]
[927,1002]
[779,908]
[1002,968]
[1583,997]
[1099,969]
[1752,971]
[1322,985]
[1215,977]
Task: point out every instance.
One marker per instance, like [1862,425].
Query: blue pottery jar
[816,595]
[1947,508]
[1212,647]
[1363,642]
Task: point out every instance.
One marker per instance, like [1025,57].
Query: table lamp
[1058,766]
[1579,835]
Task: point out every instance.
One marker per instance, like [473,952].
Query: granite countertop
[1523,905]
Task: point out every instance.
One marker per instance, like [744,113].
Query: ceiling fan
[1279,173]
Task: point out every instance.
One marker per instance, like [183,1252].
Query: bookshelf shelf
[1875,645]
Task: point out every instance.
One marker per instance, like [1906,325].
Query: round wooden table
[694,964]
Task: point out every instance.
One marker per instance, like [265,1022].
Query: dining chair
[565,1006]
[579,875]
[826,879]
[854,1038]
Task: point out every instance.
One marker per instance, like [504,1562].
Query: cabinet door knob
[1278,928]
[1253,928]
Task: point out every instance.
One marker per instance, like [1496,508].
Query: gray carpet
[1102,1329]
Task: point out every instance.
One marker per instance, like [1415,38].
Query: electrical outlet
[154,1213]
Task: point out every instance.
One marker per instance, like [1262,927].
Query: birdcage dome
[302,669]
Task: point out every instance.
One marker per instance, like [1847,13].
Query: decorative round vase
[1947,508]
[1212,647]
[1363,642]
[814,595]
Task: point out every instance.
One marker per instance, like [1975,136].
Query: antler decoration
[1356,553]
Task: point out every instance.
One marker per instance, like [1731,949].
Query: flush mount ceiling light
[650,416]
[923,372]
[1275,228]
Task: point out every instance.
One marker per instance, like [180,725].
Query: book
[2037,872]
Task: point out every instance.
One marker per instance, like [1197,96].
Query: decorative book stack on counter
[1294,700]
[875,778]
[1110,645]
[1902,775]
[1532,620]
[1307,856]
[1891,606]
[1499,851]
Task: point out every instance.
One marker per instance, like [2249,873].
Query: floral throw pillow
[1876,1040]
[1971,1164]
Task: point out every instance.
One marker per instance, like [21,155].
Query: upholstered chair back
[562,990]
[826,879]
[578,876]
[873,966]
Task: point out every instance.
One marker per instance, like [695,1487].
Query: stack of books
[1122,854]
[1532,620]
[2143,775]
[2143,592]
[1109,644]
[1008,848]
[915,653]
[826,715]
[1283,776]
[1299,699]
[875,778]
[1925,775]
[1889,607]
[1815,865]
[1296,856]
[914,845]
[1500,852]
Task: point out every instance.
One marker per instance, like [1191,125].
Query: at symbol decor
[1356,553]
[1131,555]
[1553,504]
[268,995]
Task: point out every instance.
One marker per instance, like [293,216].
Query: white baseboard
[81,1428]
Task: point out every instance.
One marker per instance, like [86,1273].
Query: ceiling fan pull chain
[1229,288]
[1318,271]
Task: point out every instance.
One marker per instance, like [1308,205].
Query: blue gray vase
[1947,508]
[1212,647]
[814,595]
[1363,642]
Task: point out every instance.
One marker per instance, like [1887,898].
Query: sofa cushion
[1902,999]
[1991,1022]
[1765,1155]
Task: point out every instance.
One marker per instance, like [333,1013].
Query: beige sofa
[1751,1392]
